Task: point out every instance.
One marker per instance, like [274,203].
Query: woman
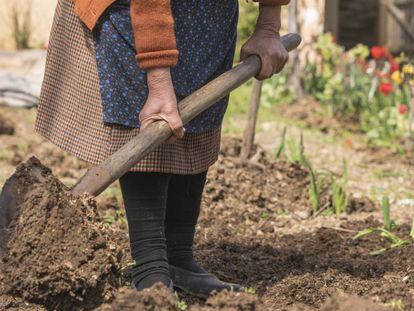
[115,66]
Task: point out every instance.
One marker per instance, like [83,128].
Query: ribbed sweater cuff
[165,58]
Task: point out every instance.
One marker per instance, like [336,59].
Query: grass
[182,305]
[386,173]
[395,304]
[386,231]
[339,191]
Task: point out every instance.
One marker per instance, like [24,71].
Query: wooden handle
[98,178]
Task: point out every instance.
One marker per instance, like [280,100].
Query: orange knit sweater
[153,25]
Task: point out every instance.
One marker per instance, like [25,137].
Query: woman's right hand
[162,103]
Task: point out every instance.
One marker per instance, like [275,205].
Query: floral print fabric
[206,33]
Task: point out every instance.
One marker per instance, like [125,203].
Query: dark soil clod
[57,252]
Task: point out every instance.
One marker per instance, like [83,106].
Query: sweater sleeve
[153,26]
[273,2]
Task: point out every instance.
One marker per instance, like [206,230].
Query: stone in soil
[6,126]
[58,253]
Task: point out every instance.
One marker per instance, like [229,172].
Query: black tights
[162,212]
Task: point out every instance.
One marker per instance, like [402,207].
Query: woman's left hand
[267,45]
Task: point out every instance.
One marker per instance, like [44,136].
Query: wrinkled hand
[267,45]
[161,103]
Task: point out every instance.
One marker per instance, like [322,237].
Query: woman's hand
[162,103]
[265,42]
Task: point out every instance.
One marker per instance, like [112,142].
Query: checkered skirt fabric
[70,109]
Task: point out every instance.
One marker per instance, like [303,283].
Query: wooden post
[295,61]
[249,132]
[332,17]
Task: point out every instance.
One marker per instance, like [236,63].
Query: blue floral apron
[206,32]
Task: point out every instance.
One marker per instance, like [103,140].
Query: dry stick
[295,60]
[249,132]
[339,229]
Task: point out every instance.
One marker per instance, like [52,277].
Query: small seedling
[264,215]
[395,304]
[339,187]
[182,305]
[394,239]
[281,148]
[281,212]
[109,219]
[250,290]
[388,223]
[314,189]
[412,230]
[297,152]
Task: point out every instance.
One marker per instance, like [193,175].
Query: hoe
[99,177]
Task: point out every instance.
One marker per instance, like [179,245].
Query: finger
[266,70]
[243,54]
[281,63]
[176,124]
[148,120]
[176,134]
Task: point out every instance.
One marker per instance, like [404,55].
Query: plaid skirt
[70,110]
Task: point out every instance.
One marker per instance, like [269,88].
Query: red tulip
[386,88]
[379,52]
[394,65]
[402,109]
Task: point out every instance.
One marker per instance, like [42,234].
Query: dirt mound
[160,298]
[157,298]
[6,126]
[17,304]
[58,252]
[263,189]
[229,301]
[344,302]
[262,184]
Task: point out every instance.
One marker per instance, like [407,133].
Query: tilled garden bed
[255,229]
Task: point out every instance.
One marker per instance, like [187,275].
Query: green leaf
[412,230]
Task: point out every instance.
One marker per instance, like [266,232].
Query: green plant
[394,239]
[315,189]
[264,215]
[281,148]
[356,89]
[182,305]
[250,290]
[297,152]
[109,219]
[388,223]
[412,231]
[339,191]
[395,304]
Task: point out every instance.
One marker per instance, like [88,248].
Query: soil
[344,302]
[255,229]
[312,115]
[58,253]
[6,126]
[157,298]
[17,304]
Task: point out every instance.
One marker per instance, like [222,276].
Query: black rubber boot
[201,285]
